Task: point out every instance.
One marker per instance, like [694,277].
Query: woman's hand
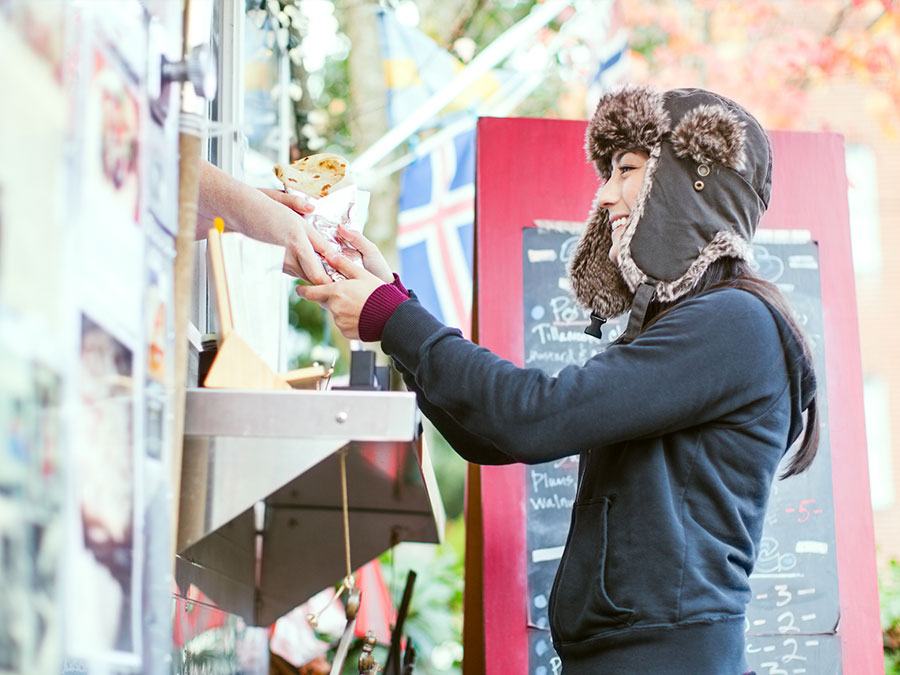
[344,299]
[373,260]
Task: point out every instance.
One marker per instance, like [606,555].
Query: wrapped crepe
[325,180]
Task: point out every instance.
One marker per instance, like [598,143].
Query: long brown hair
[734,273]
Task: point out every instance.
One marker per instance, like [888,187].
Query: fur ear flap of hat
[628,119]
[706,184]
[711,134]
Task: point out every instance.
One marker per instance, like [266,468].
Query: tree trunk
[368,115]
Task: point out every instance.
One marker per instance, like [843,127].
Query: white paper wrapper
[349,207]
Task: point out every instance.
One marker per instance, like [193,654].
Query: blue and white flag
[436,226]
[437,191]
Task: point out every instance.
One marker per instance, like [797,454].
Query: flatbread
[316,175]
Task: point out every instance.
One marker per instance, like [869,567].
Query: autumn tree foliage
[772,55]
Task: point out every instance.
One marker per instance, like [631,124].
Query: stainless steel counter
[260,527]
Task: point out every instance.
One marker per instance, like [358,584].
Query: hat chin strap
[595,328]
[642,297]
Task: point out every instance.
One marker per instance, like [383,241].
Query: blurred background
[397,87]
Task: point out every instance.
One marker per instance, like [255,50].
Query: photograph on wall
[17,627]
[158,319]
[111,142]
[108,195]
[103,559]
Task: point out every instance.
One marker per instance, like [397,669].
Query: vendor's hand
[301,259]
[344,299]
[267,215]
[373,260]
[301,244]
[292,200]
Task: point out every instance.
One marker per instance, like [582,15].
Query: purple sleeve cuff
[378,309]
[399,284]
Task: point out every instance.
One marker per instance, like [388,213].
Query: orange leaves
[773,53]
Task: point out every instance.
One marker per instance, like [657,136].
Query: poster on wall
[102,556]
[110,285]
[112,138]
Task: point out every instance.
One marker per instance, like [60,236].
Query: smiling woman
[701,398]
[619,194]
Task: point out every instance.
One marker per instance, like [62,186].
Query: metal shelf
[339,414]
[260,526]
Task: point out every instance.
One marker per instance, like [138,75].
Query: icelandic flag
[436,228]
[437,191]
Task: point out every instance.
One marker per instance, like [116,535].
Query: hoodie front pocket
[580,605]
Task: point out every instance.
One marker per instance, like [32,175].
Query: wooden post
[189,148]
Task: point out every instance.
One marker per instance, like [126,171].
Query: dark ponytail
[735,273]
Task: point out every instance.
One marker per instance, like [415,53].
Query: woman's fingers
[356,239]
[320,294]
[373,260]
[308,260]
[343,299]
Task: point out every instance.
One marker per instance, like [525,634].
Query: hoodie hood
[707,183]
[800,373]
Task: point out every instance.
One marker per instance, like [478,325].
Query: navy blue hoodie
[679,433]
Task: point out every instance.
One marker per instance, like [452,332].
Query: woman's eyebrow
[616,158]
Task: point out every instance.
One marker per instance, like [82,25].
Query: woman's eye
[626,169]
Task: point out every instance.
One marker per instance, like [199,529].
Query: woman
[680,424]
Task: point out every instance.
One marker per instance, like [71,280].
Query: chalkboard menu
[793,615]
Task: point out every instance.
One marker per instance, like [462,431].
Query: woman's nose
[607,195]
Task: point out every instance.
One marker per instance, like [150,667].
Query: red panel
[810,193]
[531,169]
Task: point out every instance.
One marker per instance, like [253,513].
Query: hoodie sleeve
[713,359]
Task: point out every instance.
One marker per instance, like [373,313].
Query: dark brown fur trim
[596,281]
[626,119]
[711,134]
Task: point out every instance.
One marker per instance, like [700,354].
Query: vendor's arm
[268,215]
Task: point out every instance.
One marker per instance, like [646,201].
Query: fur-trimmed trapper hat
[706,184]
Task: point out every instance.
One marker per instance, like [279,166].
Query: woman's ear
[711,134]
